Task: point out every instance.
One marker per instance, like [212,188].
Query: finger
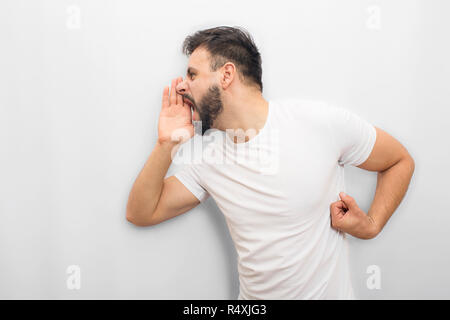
[345,209]
[334,207]
[190,111]
[335,204]
[349,202]
[179,97]
[173,97]
[338,205]
[165,98]
[337,213]
[344,205]
[341,205]
[335,223]
[341,208]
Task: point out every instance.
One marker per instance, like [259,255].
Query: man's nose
[181,87]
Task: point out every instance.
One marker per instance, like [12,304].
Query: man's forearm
[146,190]
[392,185]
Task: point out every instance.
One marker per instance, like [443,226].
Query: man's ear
[228,74]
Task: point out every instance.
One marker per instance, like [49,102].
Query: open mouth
[189,103]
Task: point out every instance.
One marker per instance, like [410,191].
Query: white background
[80,94]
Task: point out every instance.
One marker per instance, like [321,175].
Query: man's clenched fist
[347,217]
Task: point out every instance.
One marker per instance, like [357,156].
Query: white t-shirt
[275,192]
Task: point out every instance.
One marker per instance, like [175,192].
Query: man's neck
[244,114]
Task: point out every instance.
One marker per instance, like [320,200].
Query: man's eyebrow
[190,70]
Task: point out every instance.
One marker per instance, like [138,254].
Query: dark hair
[226,44]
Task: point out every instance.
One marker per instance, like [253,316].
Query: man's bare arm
[395,168]
[147,188]
[174,128]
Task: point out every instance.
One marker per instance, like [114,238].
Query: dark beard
[210,107]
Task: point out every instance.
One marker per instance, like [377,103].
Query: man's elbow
[411,163]
[129,218]
[134,219]
[404,161]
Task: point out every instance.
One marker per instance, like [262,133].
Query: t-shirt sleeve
[189,176]
[353,136]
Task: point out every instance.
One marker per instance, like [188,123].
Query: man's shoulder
[303,107]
